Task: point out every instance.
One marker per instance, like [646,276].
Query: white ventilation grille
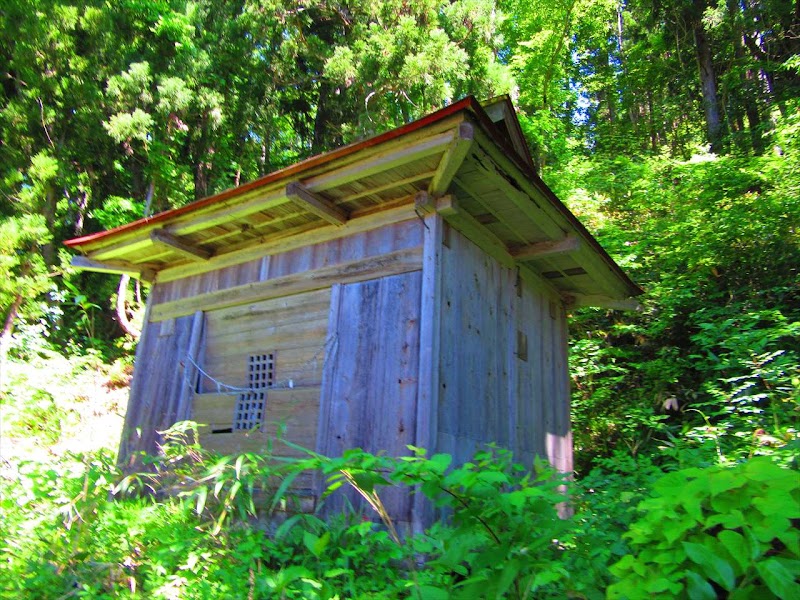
[250,407]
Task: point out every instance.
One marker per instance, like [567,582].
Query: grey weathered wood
[601,302]
[322,207]
[487,394]
[451,160]
[118,267]
[369,395]
[155,386]
[538,250]
[326,421]
[459,219]
[317,233]
[429,354]
[396,236]
[564,460]
[513,358]
[401,261]
[183,410]
[175,244]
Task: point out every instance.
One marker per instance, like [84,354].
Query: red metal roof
[469,103]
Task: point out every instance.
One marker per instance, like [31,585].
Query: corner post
[429,354]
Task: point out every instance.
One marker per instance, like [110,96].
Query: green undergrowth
[196,525]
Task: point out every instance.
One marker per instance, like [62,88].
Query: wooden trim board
[393,263]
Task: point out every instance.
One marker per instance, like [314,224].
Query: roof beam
[117,268]
[362,269]
[164,238]
[462,221]
[315,203]
[290,239]
[384,160]
[451,160]
[600,301]
[547,248]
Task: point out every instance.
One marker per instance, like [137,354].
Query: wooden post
[430,334]
[324,423]
[184,408]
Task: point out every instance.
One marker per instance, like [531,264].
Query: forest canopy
[670,128]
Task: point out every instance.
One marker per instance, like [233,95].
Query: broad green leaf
[730,520]
[331,573]
[779,580]
[441,462]
[713,566]
[493,477]
[311,541]
[675,528]
[736,545]
[506,578]
[762,468]
[545,577]
[776,503]
[429,592]
[724,481]
[659,585]
[322,543]
[791,539]
[698,588]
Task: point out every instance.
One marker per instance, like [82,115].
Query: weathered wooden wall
[369,389]
[502,372]
[461,353]
[160,389]
[157,386]
[293,329]
[390,238]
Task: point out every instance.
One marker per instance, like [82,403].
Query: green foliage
[720,530]
[196,525]
[711,360]
[484,547]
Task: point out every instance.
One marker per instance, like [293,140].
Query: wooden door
[369,389]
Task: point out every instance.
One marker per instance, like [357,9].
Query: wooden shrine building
[407,289]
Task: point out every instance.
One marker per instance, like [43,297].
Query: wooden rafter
[381,162]
[290,239]
[547,248]
[164,238]
[451,160]
[117,267]
[315,203]
[600,301]
[462,221]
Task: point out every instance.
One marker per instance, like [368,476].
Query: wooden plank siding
[158,381]
[156,386]
[369,391]
[389,238]
[490,391]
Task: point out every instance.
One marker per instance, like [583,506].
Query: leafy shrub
[191,527]
[706,533]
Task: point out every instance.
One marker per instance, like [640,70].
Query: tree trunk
[708,80]
[651,121]
[5,336]
[753,123]
[321,119]
[49,210]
